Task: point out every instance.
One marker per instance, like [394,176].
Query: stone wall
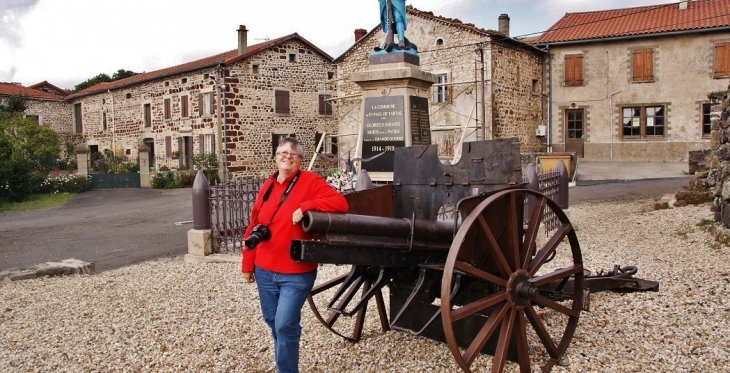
[249,109]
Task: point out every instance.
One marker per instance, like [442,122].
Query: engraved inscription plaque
[420,123]
[383,131]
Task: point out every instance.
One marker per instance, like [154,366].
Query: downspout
[113,118]
[610,125]
[550,102]
[219,131]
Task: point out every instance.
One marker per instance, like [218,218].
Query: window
[706,120]
[183,80]
[722,60]
[207,144]
[574,128]
[36,119]
[255,69]
[128,95]
[643,122]
[281,104]
[535,86]
[277,138]
[148,115]
[78,125]
[184,112]
[329,146]
[441,91]
[167,108]
[292,57]
[573,70]
[642,65]
[439,41]
[103,121]
[206,104]
[325,107]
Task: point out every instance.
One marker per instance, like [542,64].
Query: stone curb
[63,268]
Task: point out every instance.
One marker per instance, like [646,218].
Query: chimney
[683,5]
[359,33]
[242,39]
[504,24]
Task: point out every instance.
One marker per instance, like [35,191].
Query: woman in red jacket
[284,285]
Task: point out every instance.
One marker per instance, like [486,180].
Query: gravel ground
[171,316]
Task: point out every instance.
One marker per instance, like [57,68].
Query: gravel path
[171,316]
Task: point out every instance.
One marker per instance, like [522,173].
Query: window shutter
[167,108]
[168,145]
[212,102]
[201,105]
[212,146]
[722,59]
[322,108]
[643,65]
[184,106]
[281,103]
[201,143]
[573,69]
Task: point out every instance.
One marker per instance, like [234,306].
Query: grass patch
[706,224]
[35,202]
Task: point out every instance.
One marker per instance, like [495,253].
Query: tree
[24,145]
[14,104]
[103,78]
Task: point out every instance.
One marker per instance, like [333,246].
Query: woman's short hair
[294,144]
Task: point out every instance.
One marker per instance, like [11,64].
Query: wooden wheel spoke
[477,306]
[535,221]
[382,313]
[505,334]
[513,230]
[556,306]
[556,275]
[501,261]
[552,244]
[478,273]
[541,332]
[523,350]
[484,334]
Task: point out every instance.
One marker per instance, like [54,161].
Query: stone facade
[683,74]
[512,84]
[193,110]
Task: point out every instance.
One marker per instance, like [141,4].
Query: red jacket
[310,193]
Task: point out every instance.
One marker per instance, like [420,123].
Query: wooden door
[574,130]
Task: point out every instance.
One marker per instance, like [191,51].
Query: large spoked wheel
[335,301]
[497,274]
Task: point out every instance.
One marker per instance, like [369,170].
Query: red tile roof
[44,84]
[644,20]
[225,58]
[14,89]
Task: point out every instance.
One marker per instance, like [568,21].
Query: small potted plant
[175,154]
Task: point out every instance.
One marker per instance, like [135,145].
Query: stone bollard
[199,238]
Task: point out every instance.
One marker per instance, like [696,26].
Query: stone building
[43,108]
[632,84]
[483,77]
[237,105]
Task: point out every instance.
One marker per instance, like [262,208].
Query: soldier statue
[393,21]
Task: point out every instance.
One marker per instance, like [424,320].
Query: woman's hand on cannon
[297,216]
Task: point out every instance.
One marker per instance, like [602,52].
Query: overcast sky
[68,41]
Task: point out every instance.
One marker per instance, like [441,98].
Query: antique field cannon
[463,253]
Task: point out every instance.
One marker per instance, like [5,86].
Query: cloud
[11,11]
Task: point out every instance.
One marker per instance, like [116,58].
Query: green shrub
[164,181]
[18,177]
[185,179]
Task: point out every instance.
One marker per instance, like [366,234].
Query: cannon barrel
[325,222]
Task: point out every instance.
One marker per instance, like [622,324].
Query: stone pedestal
[144,166]
[395,110]
[82,160]
[199,243]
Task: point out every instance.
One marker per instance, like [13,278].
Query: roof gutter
[642,36]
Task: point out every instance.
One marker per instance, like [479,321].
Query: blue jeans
[282,297]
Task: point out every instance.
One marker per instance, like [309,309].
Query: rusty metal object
[462,254]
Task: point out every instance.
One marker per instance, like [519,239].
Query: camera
[258,233]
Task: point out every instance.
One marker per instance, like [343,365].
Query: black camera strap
[283,196]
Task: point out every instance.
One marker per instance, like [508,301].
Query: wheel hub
[519,289]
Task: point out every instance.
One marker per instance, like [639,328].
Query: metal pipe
[610,125]
[423,230]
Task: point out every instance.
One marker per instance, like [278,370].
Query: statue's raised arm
[393,21]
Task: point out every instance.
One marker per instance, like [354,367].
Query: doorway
[574,130]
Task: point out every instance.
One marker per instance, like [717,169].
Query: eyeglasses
[288,154]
